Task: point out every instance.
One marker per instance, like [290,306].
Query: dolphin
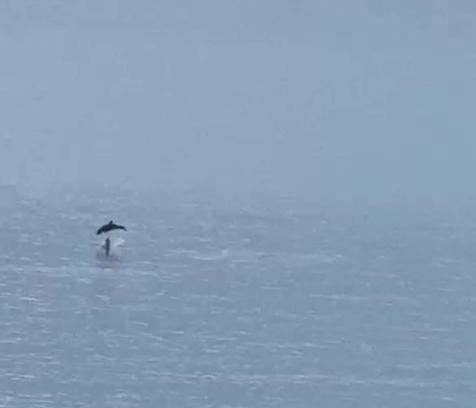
[107,246]
[110,227]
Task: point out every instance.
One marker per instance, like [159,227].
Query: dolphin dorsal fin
[110,222]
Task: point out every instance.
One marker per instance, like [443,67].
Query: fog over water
[296,182]
[306,100]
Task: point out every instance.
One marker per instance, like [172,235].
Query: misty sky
[310,100]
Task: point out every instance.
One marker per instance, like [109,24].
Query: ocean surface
[202,307]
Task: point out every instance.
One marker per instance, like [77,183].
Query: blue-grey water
[234,308]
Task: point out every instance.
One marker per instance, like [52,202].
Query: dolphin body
[107,246]
[110,227]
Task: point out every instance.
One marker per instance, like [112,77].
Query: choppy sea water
[208,308]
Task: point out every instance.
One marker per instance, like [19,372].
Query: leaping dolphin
[110,227]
